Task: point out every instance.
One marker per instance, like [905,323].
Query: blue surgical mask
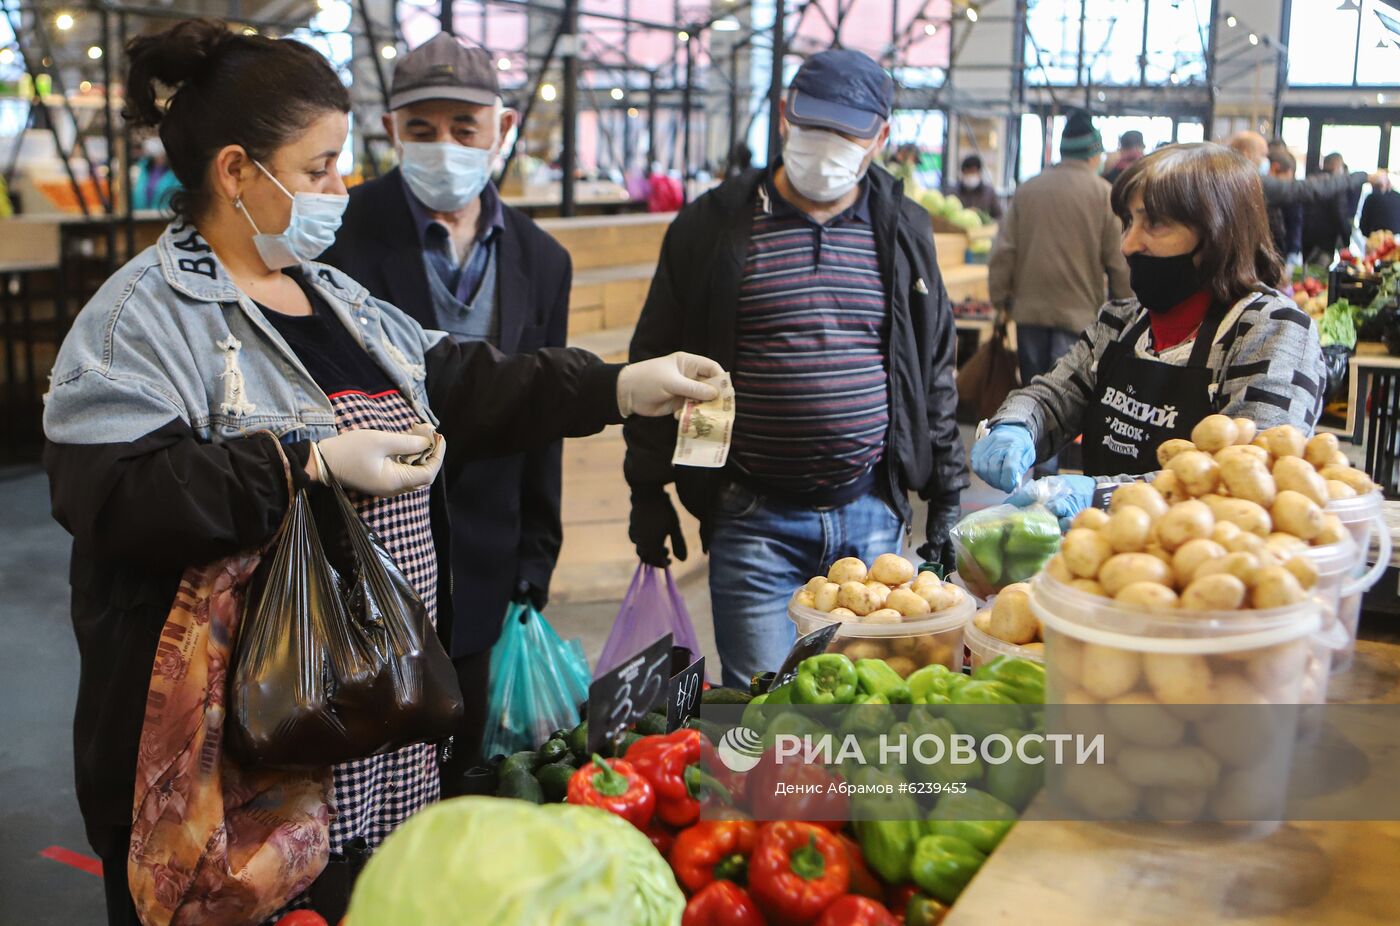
[311,229]
[445,176]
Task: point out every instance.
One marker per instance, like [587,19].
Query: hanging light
[1231,21]
[1174,77]
[1348,6]
[683,36]
[972,14]
[930,29]
[85,86]
[1253,39]
[547,93]
[1380,99]
[631,112]
[503,63]
[7,56]
[94,52]
[63,22]
[324,5]
[727,24]
[388,53]
[617,93]
[1102,96]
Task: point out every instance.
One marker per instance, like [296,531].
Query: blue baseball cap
[842,90]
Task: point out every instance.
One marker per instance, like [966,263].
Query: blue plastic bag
[653,608]
[538,682]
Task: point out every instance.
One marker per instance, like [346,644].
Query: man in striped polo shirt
[815,283]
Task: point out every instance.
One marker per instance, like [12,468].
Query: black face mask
[1163,283]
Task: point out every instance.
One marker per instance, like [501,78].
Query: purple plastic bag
[653,608]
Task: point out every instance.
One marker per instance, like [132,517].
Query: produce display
[949,207]
[888,592]
[1003,545]
[1011,620]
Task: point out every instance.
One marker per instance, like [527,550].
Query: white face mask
[822,165]
[310,230]
[445,176]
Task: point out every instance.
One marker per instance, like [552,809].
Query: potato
[1224,531]
[1340,459]
[1037,648]
[1198,472]
[1108,672]
[1085,551]
[1236,689]
[1174,767]
[1185,522]
[1057,569]
[892,569]
[1012,620]
[1275,671]
[1150,596]
[1359,481]
[1147,724]
[1248,479]
[931,651]
[1101,792]
[846,570]
[908,603]
[1141,495]
[1244,452]
[1250,517]
[1092,518]
[1159,551]
[861,649]
[1219,592]
[1127,529]
[1183,678]
[1284,441]
[816,584]
[1320,449]
[1297,475]
[983,621]
[1303,570]
[1243,566]
[1338,489]
[857,598]
[1123,569]
[842,614]
[828,597]
[1296,514]
[883,616]
[1088,587]
[1176,805]
[1172,448]
[1252,793]
[879,590]
[1285,545]
[805,599]
[1276,587]
[1215,432]
[1191,555]
[1333,531]
[927,577]
[1247,429]
[941,597]
[1168,484]
[1249,543]
[905,667]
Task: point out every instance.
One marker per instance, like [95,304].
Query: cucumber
[725,696]
[554,781]
[577,740]
[522,761]
[628,738]
[520,784]
[652,725]
[552,751]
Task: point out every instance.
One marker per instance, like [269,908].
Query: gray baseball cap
[444,68]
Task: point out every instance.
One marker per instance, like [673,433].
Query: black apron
[1142,402]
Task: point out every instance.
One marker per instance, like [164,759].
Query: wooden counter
[1050,873]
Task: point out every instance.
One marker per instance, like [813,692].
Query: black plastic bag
[1336,359]
[337,658]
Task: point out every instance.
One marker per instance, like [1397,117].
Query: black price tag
[683,694]
[812,644]
[620,698]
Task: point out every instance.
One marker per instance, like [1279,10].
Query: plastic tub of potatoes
[886,611]
[1361,516]
[982,647]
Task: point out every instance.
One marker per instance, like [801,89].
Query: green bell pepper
[922,910]
[1015,782]
[943,865]
[794,724]
[780,695]
[877,678]
[974,816]
[867,714]
[1023,679]
[1032,537]
[826,679]
[945,771]
[983,544]
[975,691]
[928,682]
[982,708]
[886,826]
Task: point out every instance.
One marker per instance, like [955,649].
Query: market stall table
[1055,873]
[1373,410]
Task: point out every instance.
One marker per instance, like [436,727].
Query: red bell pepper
[796,871]
[615,787]
[722,903]
[863,880]
[661,836]
[713,850]
[825,806]
[672,764]
[857,911]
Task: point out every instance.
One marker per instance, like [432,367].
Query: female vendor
[1207,333]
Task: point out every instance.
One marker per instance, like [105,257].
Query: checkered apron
[374,795]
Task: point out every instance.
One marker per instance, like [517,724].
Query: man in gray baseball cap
[433,237]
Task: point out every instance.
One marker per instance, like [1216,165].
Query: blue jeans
[760,552]
[1038,347]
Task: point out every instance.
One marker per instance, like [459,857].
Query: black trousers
[112,845]
[474,676]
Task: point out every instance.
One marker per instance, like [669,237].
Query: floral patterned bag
[212,842]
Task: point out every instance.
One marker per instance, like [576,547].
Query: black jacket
[1381,212]
[505,519]
[692,307]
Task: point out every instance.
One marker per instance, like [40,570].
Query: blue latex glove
[1003,456]
[1063,496]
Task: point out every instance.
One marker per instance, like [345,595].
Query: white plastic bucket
[1335,563]
[1361,516]
[983,647]
[906,646]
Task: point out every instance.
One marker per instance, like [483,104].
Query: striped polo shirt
[811,370]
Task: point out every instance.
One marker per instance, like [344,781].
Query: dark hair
[972,162]
[1216,193]
[1283,159]
[224,88]
[1131,139]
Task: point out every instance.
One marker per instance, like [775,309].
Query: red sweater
[1179,323]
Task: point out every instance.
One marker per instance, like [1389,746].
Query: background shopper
[974,191]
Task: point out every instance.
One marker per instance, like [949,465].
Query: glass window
[1359,145]
[1113,41]
[1344,44]
[1052,41]
[923,128]
[1032,146]
[1188,132]
[1178,35]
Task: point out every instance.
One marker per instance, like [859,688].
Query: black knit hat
[1080,140]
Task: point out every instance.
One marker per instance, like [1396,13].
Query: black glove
[653,522]
[527,594]
[943,514]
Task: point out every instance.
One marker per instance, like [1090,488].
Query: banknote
[706,428]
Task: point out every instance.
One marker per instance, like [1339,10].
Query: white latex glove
[369,461]
[659,386]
